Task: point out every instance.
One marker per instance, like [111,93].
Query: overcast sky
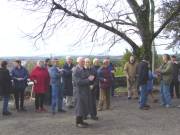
[14,21]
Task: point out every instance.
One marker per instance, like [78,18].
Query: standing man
[92,92]
[57,93]
[47,98]
[166,78]
[20,76]
[81,84]
[68,87]
[95,68]
[175,82]
[143,72]
[5,87]
[105,80]
[130,69]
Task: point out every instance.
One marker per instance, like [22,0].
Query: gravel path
[124,119]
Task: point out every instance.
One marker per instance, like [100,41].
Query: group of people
[140,80]
[83,84]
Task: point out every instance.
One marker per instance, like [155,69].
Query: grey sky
[14,21]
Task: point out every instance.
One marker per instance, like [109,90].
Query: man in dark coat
[92,92]
[68,87]
[175,82]
[5,86]
[142,83]
[20,76]
[95,67]
[81,84]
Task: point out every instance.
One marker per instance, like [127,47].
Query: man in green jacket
[166,77]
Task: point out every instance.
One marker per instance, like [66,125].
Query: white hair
[68,57]
[79,59]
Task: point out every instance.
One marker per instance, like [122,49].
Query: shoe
[61,111]
[6,113]
[23,109]
[43,110]
[79,125]
[136,98]
[147,106]
[129,98]
[94,118]
[168,106]
[70,107]
[144,108]
[155,100]
[38,110]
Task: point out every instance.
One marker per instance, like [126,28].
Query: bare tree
[130,20]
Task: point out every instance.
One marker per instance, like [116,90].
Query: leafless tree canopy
[130,20]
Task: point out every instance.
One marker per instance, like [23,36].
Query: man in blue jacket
[20,76]
[57,92]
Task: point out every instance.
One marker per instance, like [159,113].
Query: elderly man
[92,92]
[105,80]
[95,68]
[130,69]
[68,87]
[81,84]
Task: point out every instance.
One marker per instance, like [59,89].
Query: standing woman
[5,86]
[41,79]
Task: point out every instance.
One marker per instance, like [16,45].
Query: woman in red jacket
[41,79]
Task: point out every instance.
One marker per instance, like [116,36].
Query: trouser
[69,101]
[92,103]
[165,94]
[39,100]
[60,94]
[5,103]
[19,98]
[174,84]
[112,88]
[79,119]
[132,88]
[57,98]
[48,96]
[97,93]
[143,95]
[104,98]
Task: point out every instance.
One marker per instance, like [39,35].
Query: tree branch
[97,23]
[171,17]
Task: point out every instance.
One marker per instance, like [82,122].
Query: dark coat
[175,71]
[81,90]
[104,73]
[143,73]
[20,73]
[67,77]
[5,82]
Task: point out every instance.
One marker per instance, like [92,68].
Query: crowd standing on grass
[86,83]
